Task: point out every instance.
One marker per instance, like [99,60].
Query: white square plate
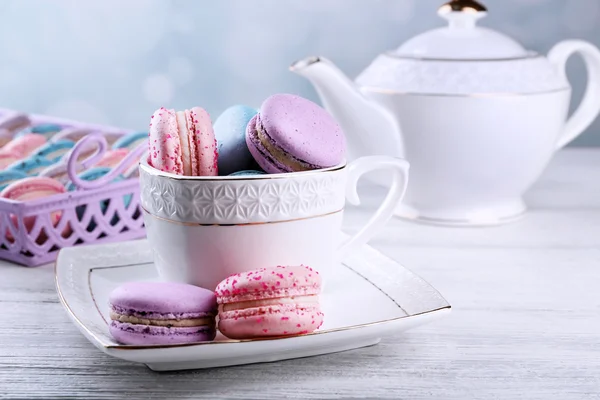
[372,296]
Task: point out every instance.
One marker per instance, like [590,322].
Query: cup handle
[356,170]
[590,105]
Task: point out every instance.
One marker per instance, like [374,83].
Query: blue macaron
[32,165]
[130,141]
[230,131]
[54,151]
[91,175]
[247,172]
[9,176]
[47,130]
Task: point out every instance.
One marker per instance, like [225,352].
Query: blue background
[115,61]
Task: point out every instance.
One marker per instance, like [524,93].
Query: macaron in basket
[62,184]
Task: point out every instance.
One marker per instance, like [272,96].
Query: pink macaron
[24,145]
[34,188]
[183,142]
[269,302]
[112,158]
[7,158]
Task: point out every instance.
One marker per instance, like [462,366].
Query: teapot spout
[370,129]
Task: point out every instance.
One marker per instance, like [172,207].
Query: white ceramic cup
[204,229]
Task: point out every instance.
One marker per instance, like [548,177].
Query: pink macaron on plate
[370,298]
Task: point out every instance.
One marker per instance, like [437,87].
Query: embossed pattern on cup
[242,200]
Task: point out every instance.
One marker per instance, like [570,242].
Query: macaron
[34,188]
[24,145]
[230,131]
[130,141]
[59,171]
[158,313]
[32,165]
[249,172]
[91,175]
[183,142]
[8,158]
[55,150]
[9,176]
[112,158]
[76,134]
[10,124]
[292,134]
[48,130]
[72,134]
[268,302]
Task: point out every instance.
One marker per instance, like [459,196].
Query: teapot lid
[462,39]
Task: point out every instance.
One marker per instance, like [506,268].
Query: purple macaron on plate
[149,313]
[370,298]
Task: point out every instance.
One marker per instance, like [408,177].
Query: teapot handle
[590,105]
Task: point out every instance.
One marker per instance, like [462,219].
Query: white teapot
[477,116]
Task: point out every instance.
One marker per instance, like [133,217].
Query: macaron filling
[159,315]
[282,301]
[175,323]
[184,141]
[170,320]
[275,152]
[193,136]
[189,146]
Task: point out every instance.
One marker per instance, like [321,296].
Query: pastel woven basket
[99,211]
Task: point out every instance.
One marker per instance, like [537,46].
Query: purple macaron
[148,313]
[292,134]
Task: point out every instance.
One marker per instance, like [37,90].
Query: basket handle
[100,141]
[70,133]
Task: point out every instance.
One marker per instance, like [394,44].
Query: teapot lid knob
[470,6]
[462,39]
[462,13]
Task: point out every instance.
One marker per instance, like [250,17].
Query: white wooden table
[525,321]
